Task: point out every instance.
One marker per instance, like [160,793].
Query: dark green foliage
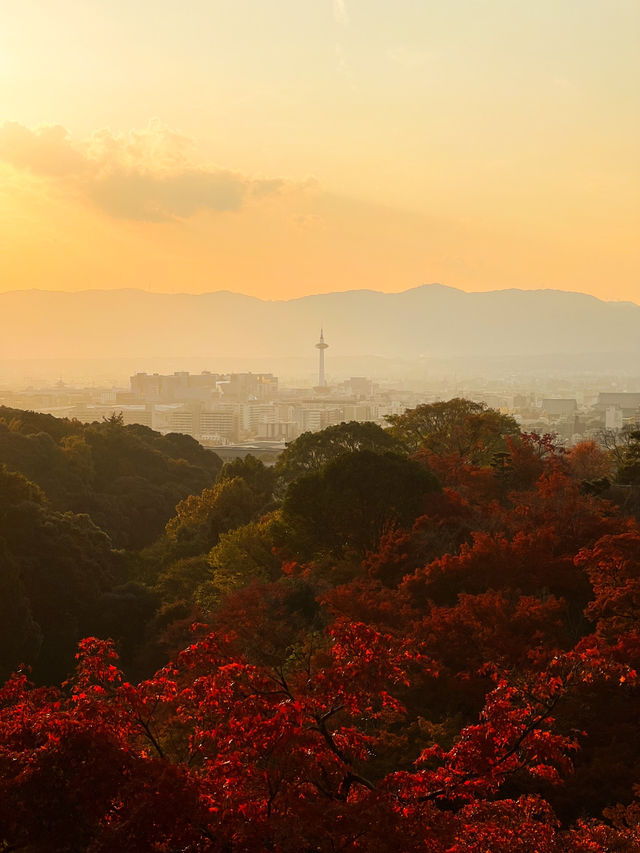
[345,506]
[179,581]
[241,556]
[200,519]
[53,569]
[127,478]
[596,487]
[15,489]
[471,430]
[123,614]
[629,470]
[313,449]
[20,634]
[258,477]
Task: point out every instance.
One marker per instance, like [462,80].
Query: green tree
[182,578]
[54,568]
[20,634]
[259,477]
[472,430]
[345,506]
[200,519]
[628,472]
[311,450]
[127,478]
[240,557]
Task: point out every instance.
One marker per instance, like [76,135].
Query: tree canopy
[53,569]
[347,503]
[430,652]
[312,450]
[127,478]
[472,430]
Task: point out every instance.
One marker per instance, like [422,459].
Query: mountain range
[427,322]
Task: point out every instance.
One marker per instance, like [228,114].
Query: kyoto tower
[322,347]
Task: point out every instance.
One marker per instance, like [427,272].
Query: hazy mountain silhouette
[431,321]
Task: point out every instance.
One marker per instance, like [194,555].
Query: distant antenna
[321,346]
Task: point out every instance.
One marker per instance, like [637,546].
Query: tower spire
[321,347]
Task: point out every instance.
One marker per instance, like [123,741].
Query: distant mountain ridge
[430,321]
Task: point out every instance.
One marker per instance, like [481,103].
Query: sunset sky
[285,147]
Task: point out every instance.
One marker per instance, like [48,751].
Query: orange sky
[282,148]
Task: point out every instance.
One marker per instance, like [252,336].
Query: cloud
[146,175]
[138,195]
[46,151]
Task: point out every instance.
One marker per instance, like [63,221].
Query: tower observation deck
[321,347]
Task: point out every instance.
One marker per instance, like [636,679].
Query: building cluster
[253,412]
[221,410]
[253,408]
[238,407]
[225,410]
[586,415]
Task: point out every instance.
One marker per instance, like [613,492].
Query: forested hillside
[128,479]
[425,638]
[75,501]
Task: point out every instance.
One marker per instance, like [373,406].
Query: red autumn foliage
[473,688]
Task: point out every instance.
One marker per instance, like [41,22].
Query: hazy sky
[284,147]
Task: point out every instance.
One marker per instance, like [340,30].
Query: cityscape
[240,413]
